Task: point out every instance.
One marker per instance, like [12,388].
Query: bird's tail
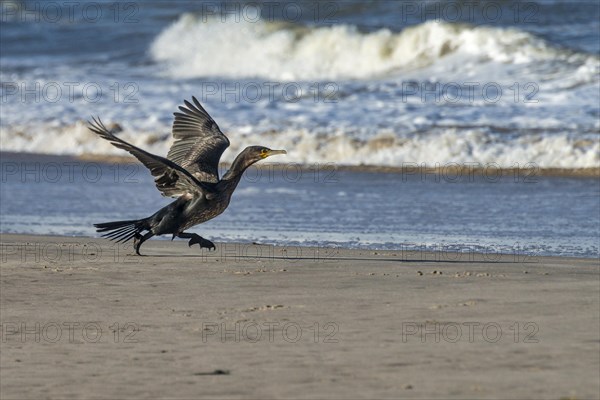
[122,231]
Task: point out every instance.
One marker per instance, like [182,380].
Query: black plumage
[189,173]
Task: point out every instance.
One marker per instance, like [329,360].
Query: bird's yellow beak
[275,152]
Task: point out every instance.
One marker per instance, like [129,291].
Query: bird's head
[247,157]
[253,154]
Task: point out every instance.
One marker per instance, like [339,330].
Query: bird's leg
[139,239]
[197,239]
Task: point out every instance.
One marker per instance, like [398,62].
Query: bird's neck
[233,176]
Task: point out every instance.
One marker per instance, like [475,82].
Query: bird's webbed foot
[207,244]
[138,239]
[197,239]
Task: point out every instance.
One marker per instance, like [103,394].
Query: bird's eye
[264,153]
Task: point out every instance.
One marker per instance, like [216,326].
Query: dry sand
[82,318]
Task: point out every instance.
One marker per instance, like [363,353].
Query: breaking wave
[198,47]
[369,124]
[438,147]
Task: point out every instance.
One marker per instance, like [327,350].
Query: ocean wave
[436,148]
[194,47]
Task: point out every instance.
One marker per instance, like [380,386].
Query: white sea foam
[435,148]
[199,47]
[371,121]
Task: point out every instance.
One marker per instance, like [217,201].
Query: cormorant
[189,173]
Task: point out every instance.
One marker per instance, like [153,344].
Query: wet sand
[83,318]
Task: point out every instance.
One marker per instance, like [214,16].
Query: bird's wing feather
[171,179]
[199,143]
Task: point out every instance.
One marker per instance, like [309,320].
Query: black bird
[189,173]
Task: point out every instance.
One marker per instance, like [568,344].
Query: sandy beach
[427,228]
[83,318]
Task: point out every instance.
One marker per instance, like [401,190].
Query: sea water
[491,84]
[381,83]
[323,206]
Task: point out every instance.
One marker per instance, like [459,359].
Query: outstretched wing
[171,179]
[199,143]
